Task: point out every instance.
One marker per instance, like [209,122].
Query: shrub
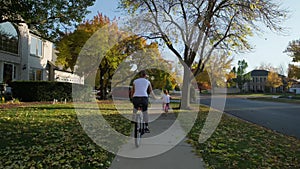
[29,91]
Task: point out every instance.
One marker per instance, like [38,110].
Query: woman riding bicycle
[139,94]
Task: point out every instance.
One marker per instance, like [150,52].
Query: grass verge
[239,144]
[280,100]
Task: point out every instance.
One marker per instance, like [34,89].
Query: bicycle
[139,126]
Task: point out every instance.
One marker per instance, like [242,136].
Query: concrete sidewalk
[159,149]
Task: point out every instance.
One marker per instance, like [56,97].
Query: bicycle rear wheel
[138,131]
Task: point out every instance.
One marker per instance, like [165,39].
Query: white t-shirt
[140,87]
[166,98]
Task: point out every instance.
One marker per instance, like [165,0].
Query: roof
[259,73]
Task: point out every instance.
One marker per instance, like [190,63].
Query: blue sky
[268,48]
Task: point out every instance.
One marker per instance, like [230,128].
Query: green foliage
[159,78]
[241,76]
[49,18]
[70,45]
[42,90]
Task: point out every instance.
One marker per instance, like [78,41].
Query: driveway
[281,117]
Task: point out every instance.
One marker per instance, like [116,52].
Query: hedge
[28,91]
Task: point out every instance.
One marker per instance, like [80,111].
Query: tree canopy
[294,71]
[192,30]
[113,50]
[293,50]
[274,80]
[241,76]
[216,71]
[49,18]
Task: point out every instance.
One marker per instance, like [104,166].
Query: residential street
[281,117]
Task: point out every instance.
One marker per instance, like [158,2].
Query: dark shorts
[140,102]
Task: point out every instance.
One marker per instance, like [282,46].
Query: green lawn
[287,98]
[239,144]
[50,136]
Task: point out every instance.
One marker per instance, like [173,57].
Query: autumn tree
[192,30]
[203,80]
[70,45]
[230,78]
[217,67]
[294,71]
[274,80]
[293,50]
[142,55]
[50,18]
[125,49]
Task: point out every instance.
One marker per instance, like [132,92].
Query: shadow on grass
[51,137]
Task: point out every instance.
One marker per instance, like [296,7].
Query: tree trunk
[185,98]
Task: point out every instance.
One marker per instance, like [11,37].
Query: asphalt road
[281,117]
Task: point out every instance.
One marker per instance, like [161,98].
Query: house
[258,82]
[24,55]
[295,88]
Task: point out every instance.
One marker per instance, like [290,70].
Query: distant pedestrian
[166,101]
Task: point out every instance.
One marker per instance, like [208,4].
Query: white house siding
[24,52]
[62,76]
[14,59]
[295,90]
[24,63]
[40,63]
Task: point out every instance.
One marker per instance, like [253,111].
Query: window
[36,74]
[9,72]
[36,46]
[9,38]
